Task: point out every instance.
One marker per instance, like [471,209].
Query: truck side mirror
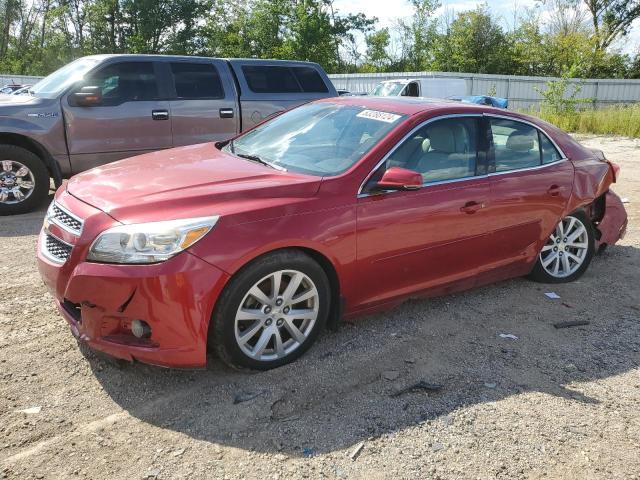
[87,97]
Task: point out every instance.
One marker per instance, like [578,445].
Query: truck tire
[24,180]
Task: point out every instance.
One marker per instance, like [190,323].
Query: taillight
[615,168]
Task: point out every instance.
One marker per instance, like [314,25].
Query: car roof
[408,105]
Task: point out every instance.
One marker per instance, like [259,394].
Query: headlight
[148,242]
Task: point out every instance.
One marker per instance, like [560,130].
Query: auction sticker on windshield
[380,116]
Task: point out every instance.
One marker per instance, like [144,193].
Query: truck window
[411,90]
[310,80]
[196,80]
[270,79]
[125,82]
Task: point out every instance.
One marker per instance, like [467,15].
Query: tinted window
[125,82]
[549,153]
[515,145]
[309,79]
[270,79]
[441,150]
[320,139]
[196,80]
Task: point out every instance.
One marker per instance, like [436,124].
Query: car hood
[196,180]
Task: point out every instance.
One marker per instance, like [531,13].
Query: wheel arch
[36,148]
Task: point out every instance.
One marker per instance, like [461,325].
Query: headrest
[442,139]
[519,142]
[426,145]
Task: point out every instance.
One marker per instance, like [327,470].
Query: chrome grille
[56,249]
[64,219]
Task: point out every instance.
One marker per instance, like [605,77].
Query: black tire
[222,338]
[40,177]
[539,274]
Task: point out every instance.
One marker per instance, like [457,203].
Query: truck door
[131,119]
[203,104]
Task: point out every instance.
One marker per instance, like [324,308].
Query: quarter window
[442,150]
[310,80]
[549,152]
[516,145]
[196,81]
[125,82]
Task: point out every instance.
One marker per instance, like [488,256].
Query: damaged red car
[337,208]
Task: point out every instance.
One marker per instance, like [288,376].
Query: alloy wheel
[16,182]
[566,249]
[276,315]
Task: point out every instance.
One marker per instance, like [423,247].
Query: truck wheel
[24,180]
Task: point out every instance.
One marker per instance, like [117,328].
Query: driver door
[413,240]
[132,119]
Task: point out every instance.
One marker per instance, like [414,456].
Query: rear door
[132,119]
[203,104]
[414,240]
[268,87]
[531,182]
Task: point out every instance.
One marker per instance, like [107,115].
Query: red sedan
[337,208]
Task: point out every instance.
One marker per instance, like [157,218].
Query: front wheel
[24,180]
[567,252]
[271,311]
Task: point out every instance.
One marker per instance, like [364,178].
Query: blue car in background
[497,102]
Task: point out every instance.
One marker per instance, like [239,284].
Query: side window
[411,90]
[270,79]
[125,82]
[196,81]
[310,80]
[549,153]
[515,145]
[442,150]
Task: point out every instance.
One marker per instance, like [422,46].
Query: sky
[389,10]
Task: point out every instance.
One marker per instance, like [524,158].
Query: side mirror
[87,97]
[396,178]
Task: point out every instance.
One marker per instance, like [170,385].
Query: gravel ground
[551,403]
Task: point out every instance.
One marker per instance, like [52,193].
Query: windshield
[51,86]
[388,89]
[323,139]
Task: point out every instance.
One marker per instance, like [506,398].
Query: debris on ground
[437,447]
[624,200]
[391,375]
[490,385]
[421,385]
[571,323]
[356,451]
[177,453]
[508,335]
[568,305]
[552,295]
[30,410]
[308,452]
[246,396]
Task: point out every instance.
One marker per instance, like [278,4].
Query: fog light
[140,329]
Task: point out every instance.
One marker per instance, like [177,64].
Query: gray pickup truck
[102,108]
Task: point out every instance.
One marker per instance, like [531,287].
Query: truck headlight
[148,242]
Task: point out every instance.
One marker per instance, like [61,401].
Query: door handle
[226,113]
[471,207]
[553,190]
[160,114]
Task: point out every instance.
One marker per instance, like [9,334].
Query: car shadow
[355,383]
[24,224]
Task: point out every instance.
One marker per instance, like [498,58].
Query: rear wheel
[271,311]
[24,180]
[567,252]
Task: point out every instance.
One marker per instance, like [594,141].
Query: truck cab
[102,108]
[421,87]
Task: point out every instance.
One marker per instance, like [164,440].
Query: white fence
[17,79]
[521,91]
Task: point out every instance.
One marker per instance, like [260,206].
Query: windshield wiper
[256,158]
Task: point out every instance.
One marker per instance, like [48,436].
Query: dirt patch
[554,403]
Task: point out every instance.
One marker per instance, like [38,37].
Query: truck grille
[64,219]
[56,249]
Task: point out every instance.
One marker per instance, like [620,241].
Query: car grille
[65,219]
[56,249]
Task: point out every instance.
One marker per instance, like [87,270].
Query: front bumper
[99,301]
